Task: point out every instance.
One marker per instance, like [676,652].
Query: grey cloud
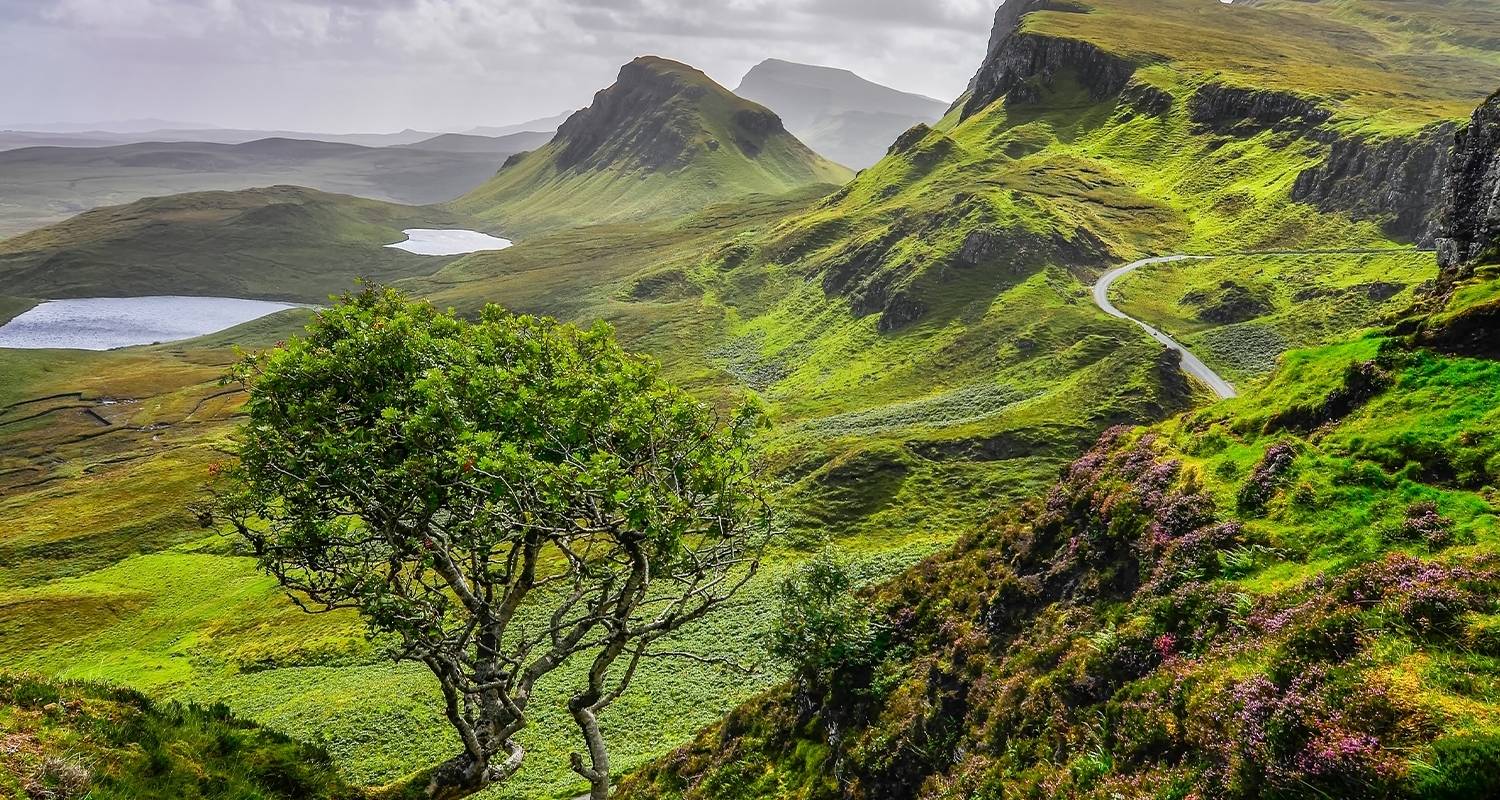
[383,64]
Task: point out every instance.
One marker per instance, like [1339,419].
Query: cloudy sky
[376,65]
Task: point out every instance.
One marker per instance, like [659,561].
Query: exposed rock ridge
[647,120]
[1020,65]
[1469,230]
[1397,183]
[1231,109]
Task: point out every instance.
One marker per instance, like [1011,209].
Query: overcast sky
[378,65]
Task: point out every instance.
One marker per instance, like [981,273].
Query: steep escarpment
[1469,244]
[1470,230]
[662,141]
[1397,183]
[1021,64]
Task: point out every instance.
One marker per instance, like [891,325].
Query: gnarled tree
[502,496]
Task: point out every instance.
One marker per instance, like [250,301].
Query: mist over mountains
[841,115]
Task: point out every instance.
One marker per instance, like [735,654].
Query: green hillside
[281,243]
[927,345]
[74,740]
[663,141]
[1291,594]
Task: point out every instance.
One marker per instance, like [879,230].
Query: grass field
[923,336]
[1241,313]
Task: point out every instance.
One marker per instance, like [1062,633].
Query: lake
[426,242]
[104,323]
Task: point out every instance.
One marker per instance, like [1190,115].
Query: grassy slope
[1337,639]
[1387,66]
[74,740]
[624,181]
[12,307]
[894,442]
[285,243]
[1241,313]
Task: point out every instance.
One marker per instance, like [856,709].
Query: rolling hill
[285,242]
[925,342]
[837,113]
[1291,594]
[502,146]
[662,141]
[44,185]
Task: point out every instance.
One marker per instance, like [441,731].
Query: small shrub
[1268,477]
[822,627]
[28,693]
[1424,524]
[59,779]
[1461,768]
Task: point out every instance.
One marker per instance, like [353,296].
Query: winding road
[1191,364]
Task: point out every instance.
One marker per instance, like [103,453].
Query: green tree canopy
[502,496]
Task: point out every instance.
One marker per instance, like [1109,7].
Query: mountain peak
[843,116]
[662,140]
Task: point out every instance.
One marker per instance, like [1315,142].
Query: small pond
[426,242]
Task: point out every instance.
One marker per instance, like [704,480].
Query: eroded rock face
[1469,237]
[1020,65]
[1469,230]
[1397,183]
[1236,109]
[648,120]
[1029,64]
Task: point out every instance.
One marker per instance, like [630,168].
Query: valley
[1127,522]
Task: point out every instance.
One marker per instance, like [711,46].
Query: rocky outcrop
[1236,109]
[1143,98]
[1469,237]
[1469,230]
[649,119]
[1021,65]
[1029,64]
[1397,183]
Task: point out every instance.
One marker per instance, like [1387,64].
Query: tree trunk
[596,772]
[459,777]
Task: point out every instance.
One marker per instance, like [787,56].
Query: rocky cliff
[1468,323]
[1397,183]
[1469,232]
[1021,64]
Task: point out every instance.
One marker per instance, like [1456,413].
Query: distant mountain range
[107,134]
[836,112]
[44,185]
[501,145]
[545,124]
